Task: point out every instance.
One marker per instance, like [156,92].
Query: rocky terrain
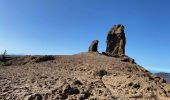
[164,75]
[82,76]
[110,75]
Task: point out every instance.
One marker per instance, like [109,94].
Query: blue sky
[69,26]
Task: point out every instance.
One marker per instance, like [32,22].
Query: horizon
[40,27]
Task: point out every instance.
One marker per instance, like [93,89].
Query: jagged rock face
[116,41]
[93,47]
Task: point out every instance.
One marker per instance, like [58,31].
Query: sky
[65,27]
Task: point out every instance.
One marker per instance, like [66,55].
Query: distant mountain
[166,76]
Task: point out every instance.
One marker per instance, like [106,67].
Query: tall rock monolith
[93,46]
[116,41]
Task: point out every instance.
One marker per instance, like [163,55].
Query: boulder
[128,59]
[116,41]
[35,97]
[93,47]
[68,90]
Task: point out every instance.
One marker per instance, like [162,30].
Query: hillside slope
[82,76]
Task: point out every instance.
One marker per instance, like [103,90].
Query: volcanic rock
[128,59]
[164,75]
[35,97]
[116,41]
[93,47]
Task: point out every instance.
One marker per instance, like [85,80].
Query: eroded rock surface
[116,41]
[93,46]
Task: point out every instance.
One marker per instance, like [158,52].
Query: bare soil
[90,76]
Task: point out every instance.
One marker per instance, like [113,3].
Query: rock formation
[128,59]
[164,75]
[116,41]
[83,76]
[93,47]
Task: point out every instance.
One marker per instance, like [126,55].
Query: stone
[78,82]
[84,96]
[128,59]
[159,79]
[100,72]
[35,97]
[162,80]
[68,90]
[93,47]
[116,41]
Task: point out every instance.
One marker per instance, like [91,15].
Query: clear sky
[69,26]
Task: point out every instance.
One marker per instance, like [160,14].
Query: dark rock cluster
[44,58]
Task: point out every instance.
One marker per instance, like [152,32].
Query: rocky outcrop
[93,47]
[128,59]
[116,41]
[164,75]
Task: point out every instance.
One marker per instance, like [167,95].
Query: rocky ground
[90,76]
[164,75]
